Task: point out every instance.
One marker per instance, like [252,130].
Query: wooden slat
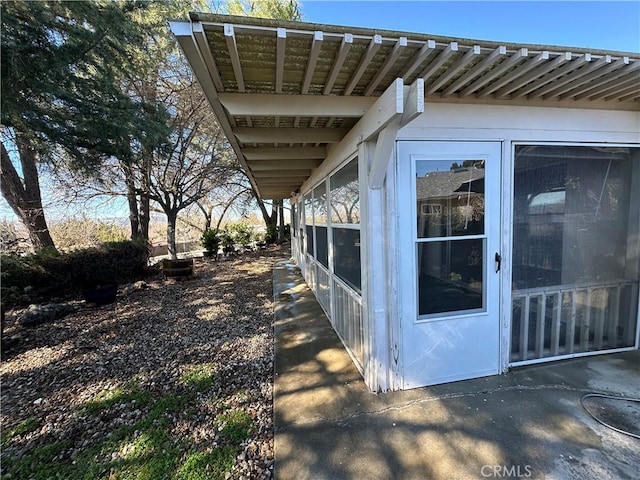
[532,75]
[207,56]
[515,73]
[281,173]
[571,326]
[440,60]
[629,94]
[345,46]
[507,64]
[266,104]
[492,58]
[586,325]
[257,165]
[555,324]
[524,329]
[373,47]
[453,70]
[552,76]
[598,333]
[614,318]
[389,62]
[422,54]
[541,317]
[583,91]
[281,46]
[232,47]
[284,153]
[312,59]
[568,82]
[290,135]
[591,81]
[621,83]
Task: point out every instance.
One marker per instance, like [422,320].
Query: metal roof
[285,91]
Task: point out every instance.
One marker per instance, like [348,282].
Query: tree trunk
[281,224]
[132,200]
[172,218]
[23,196]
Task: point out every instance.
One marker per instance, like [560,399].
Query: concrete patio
[528,423]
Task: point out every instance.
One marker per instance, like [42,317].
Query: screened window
[345,194]
[346,257]
[344,202]
[308,213]
[575,249]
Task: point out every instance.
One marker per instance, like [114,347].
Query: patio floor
[528,423]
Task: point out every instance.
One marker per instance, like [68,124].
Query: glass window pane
[571,215]
[322,246]
[346,255]
[309,232]
[320,205]
[575,270]
[450,276]
[308,209]
[345,194]
[450,197]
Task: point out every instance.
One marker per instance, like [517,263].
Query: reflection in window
[575,272]
[571,215]
[322,246]
[346,255]
[450,198]
[309,232]
[450,276]
[320,205]
[345,194]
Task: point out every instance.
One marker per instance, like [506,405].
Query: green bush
[210,240]
[52,273]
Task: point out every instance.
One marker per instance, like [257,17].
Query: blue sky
[590,24]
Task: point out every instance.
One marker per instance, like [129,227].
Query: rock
[37,314]
[38,401]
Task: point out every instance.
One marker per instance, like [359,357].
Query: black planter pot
[100,295]
[209,254]
[179,268]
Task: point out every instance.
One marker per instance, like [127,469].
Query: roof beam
[391,59]
[260,174]
[316,45]
[603,76]
[618,78]
[290,135]
[492,58]
[564,70]
[232,46]
[265,105]
[433,67]
[513,74]
[373,47]
[536,73]
[629,80]
[510,62]
[207,56]
[601,67]
[283,164]
[284,153]
[281,45]
[453,69]
[426,50]
[585,91]
[343,50]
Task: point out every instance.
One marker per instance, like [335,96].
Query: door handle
[498,259]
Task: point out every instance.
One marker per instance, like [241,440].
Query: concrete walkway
[526,424]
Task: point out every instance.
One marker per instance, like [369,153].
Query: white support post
[375,278]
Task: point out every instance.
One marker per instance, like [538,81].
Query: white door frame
[448,326]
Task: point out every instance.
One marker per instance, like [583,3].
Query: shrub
[210,240]
[51,273]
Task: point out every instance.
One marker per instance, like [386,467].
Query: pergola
[289,95]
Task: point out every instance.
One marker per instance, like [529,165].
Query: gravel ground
[152,338]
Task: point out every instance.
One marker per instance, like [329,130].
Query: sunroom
[458,207]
